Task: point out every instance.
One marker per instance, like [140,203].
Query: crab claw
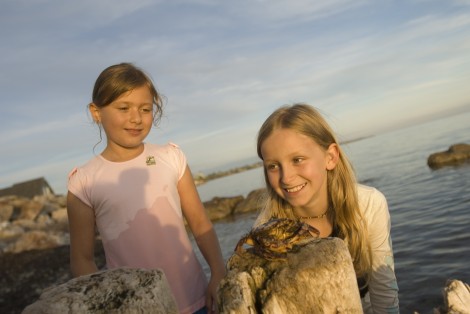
[244,240]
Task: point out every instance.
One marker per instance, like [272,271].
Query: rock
[221,207]
[37,240]
[60,216]
[324,269]
[6,210]
[23,276]
[30,210]
[253,202]
[456,298]
[456,154]
[121,290]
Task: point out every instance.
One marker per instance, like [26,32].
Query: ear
[332,156]
[95,112]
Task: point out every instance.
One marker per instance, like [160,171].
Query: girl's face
[126,121]
[296,167]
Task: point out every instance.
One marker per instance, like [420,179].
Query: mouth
[295,188]
[134,131]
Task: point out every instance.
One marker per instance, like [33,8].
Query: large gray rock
[456,154]
[319,278]
[121,290]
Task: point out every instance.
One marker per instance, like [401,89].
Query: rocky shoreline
[34,243]
[34,250]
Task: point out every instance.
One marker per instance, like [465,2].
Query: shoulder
[168,148]
[88,168]
[169,155]
[368,194]
[372,202]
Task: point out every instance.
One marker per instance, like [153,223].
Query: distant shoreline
[200,178]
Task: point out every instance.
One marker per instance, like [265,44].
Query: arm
[204,233]
[383,286]
[82,236]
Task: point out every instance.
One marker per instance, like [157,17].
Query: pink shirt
[138,215]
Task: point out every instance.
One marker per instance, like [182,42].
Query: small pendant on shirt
[150,161]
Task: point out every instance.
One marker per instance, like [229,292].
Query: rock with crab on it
[282,276]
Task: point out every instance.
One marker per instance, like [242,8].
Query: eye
[271,167]
[122,108]
[147,109]
[297,160]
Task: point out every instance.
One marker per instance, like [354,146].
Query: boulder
[221,207]
[456,154]
[37,240]
[6,211]
[253,202]
[456,298]
[25,275]
[318,278]
[121,290]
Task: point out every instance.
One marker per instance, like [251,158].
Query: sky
[223,67]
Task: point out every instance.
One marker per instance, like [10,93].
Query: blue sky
[224,66]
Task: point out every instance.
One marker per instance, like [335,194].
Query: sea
[430,209]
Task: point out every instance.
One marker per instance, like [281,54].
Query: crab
[275,238]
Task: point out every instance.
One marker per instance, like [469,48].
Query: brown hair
[120,78]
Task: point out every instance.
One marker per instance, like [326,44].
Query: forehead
[286,141]
[137,94]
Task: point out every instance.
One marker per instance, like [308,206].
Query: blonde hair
[341,181]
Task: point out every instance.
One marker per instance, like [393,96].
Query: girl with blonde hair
[309,178]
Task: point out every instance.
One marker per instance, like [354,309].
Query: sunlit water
[430,210]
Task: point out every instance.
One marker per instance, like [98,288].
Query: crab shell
[277,237]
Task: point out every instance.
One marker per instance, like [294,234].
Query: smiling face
[127,122]
[296,168]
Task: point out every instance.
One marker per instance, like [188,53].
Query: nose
[135,116]
[287,175]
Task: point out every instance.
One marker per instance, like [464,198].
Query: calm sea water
[430,210]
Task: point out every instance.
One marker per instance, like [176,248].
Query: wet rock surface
[456,154]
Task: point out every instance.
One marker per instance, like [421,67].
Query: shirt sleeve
[76,185]
[383,288]
[179,159]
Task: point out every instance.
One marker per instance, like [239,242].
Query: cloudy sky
[224,66]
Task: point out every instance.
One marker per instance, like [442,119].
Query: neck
[313,217]
[118,154]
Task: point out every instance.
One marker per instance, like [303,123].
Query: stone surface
[121,290]
[319,278]
[23,276]
[38,240]
[456,298]
[456,154]
[252,202]
[221,207]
